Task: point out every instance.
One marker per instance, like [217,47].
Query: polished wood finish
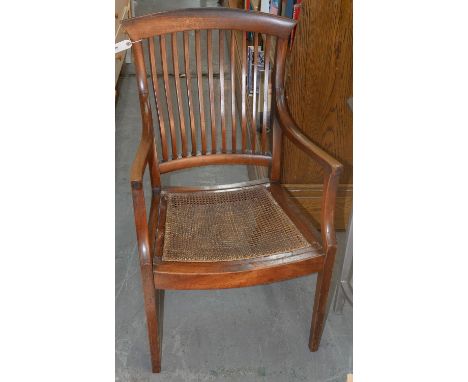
[254,101]
[221,90]
[158,275]
[167,88]
[244,91]
[205,160]
[191,106]
[200,90]
[158,97]
[209,40]
[266,82]
[175,58]
[151,295]
[207,18]
[147,153]
[212,276]
[278,87]
[233,95]
[153,220]
[174,117]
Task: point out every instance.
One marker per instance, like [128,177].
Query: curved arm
[292,131]
[140,161]
[141,224]
[139,205]
[332,168]
[330,186]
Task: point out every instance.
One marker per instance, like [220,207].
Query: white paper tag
[122,45]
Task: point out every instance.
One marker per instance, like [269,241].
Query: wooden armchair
[226,236]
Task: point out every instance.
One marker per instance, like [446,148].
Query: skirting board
[309,197]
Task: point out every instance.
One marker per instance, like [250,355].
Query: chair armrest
[141,224]
[139,163]
[292,131]
[139,205]
[332,168]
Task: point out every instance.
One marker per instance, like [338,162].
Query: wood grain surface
[318,84]
[309,197]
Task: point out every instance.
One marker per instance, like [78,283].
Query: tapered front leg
[154,310]
[153,298]
[322,290]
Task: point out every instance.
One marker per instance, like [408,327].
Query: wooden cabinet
[318,85]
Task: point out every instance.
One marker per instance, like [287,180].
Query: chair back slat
[281,48]
[266,84]
[209,42]
[244,91]
[158,97]
[232,70]
[233,95]
[180,104]
[198,55]
[221,91]
[191,105]
[169,100]
[254,94]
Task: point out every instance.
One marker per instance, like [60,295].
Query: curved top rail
[207,18]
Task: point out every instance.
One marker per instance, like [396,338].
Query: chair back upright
[209,107]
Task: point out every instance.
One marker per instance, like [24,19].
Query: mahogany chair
[225,236]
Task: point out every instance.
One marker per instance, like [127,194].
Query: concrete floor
[250,334]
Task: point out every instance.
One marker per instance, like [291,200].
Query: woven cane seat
[228,225]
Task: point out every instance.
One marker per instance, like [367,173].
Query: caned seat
[231,237]
[226,225]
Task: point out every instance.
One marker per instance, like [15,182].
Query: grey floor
[250,334]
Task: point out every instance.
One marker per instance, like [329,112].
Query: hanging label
[122,45]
